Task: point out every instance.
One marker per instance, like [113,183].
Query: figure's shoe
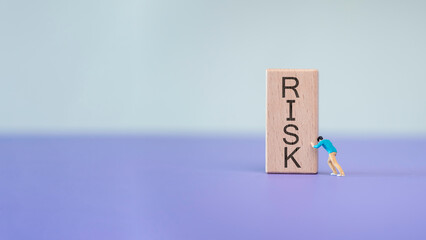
[341,175]
[333,174]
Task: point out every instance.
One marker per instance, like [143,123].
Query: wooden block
[291,120]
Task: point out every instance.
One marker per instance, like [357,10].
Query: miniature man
[332,162]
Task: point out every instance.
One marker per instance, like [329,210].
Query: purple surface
[206,188]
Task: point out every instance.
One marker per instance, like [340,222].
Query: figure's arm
[318,145]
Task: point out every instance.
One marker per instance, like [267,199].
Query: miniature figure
[332,162]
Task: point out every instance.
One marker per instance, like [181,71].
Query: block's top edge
[283,69]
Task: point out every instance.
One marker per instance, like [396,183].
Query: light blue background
[199,66]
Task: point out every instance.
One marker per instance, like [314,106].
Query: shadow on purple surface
[388,174]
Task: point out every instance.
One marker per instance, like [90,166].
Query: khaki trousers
[332,162]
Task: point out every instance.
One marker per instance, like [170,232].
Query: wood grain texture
[291,120]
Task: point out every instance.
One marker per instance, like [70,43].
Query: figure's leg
[330,164]
[337,165]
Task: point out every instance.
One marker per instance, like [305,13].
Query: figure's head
[319,138]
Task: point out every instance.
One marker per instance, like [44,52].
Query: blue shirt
[328,146]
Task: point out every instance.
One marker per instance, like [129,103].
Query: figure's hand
[312,144]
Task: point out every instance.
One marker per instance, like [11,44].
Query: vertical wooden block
[291,120]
